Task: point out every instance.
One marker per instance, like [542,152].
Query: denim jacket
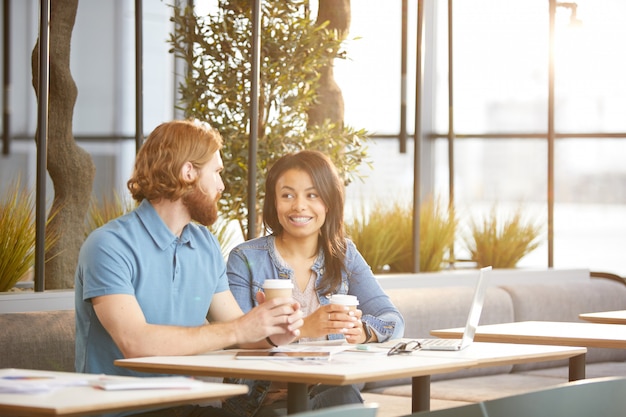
[254,261]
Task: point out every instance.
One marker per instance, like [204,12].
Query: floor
[402,406]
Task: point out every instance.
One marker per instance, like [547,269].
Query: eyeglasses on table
[404,348]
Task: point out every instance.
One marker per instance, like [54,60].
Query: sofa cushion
[38,340]
[426,309]
[564,302]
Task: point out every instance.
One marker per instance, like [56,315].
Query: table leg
[297,398]
[421,393]
[577,367]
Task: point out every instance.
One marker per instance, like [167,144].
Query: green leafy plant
[17,235]
[385,236]
[375,237]
[438,224]
[502,242]
[216,50]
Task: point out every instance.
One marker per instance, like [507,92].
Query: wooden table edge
[593,318]
[295,377]
[134,404]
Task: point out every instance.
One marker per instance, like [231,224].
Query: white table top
[73,396]
[547,332]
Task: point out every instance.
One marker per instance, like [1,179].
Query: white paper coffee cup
[274,288]
[345,299]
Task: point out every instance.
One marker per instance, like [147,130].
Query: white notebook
[157,382]
[283,355]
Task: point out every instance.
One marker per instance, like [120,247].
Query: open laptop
[472,319]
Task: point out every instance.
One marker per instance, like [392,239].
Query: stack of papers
[26,381]
[35,384]
[282,354]
[323,350]
[129,383]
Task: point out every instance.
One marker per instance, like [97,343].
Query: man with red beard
[153,281]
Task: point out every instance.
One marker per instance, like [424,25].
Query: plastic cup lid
[344,299]
[278,283]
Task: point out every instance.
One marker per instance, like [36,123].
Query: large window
[500,115]
[500,112]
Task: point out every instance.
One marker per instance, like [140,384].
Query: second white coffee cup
[344,299]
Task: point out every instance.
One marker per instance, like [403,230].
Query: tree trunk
[70,167]
[330,99]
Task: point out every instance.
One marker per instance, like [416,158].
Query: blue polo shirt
[173,279]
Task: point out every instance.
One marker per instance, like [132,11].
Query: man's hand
[279,318]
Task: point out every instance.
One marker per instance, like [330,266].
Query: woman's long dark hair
[330,187]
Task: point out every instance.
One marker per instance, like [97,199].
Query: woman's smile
[301,211]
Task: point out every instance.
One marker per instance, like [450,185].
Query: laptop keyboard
[440,342]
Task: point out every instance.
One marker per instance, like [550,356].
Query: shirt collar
[157,229]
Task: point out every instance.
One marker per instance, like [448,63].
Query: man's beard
[202,208]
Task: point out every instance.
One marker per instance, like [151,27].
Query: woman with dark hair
[306,243]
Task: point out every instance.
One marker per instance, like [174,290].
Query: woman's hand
[330,319]
[357,333]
